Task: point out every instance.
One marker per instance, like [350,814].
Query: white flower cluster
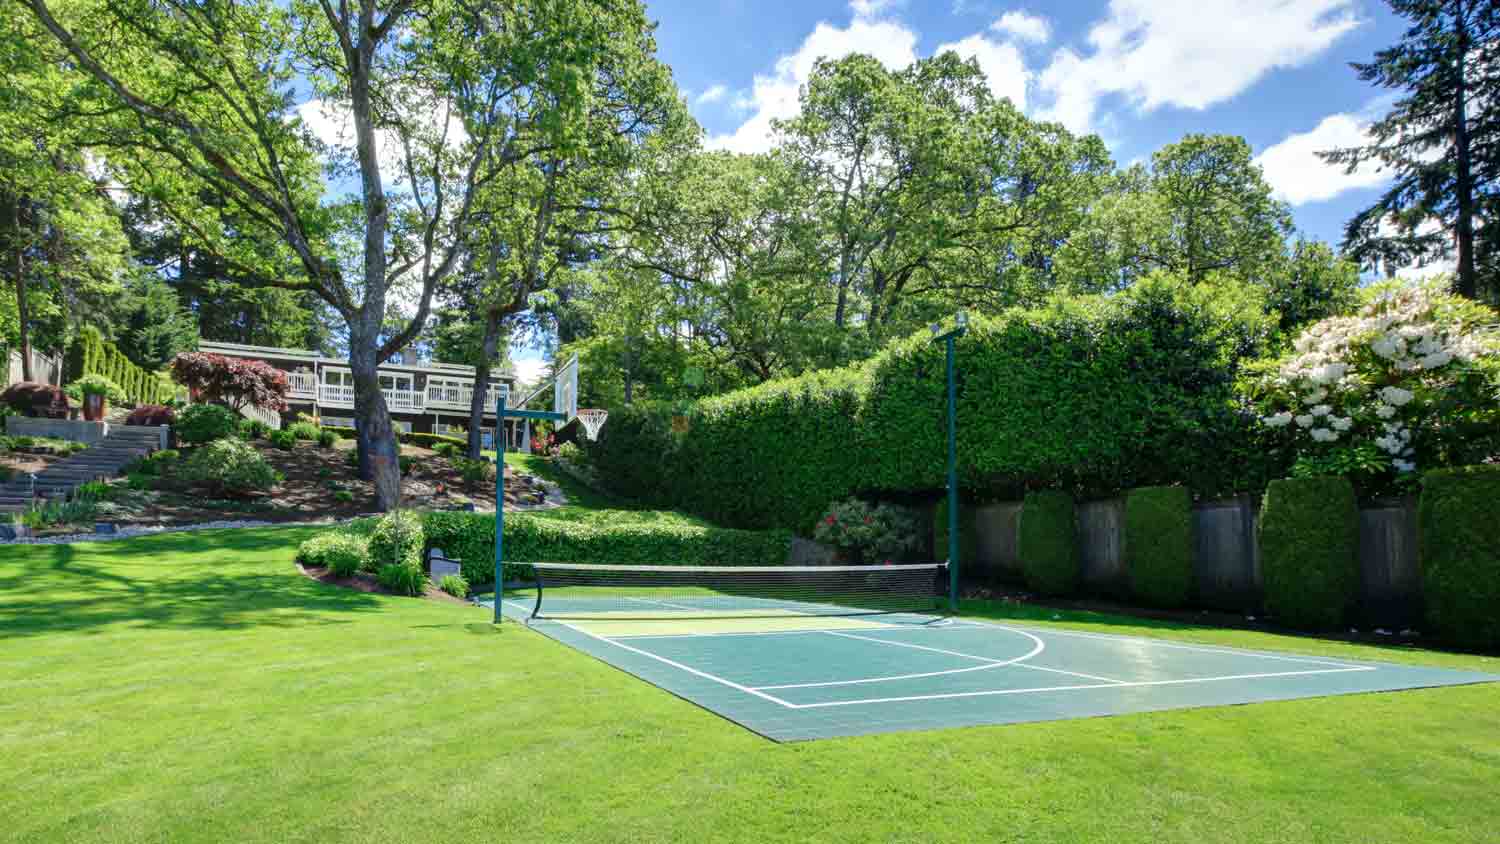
[1372,369]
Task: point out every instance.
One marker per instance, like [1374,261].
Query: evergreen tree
[1442,141]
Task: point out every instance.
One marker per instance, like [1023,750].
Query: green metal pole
[499,502]
[953,543]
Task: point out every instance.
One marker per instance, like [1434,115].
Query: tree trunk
[482,383]
[377,436]
[1464,189]
[18,270]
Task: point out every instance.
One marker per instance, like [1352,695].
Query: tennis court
[796,654]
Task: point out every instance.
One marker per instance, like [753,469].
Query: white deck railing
[302,384]
[335,395]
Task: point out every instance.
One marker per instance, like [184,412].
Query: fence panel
[1390,571]
[995,527]
[1101,541]
[1226,558]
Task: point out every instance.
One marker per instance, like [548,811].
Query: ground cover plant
[192,663]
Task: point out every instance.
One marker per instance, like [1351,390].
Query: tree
[211,92]
[1440,140]
[153,325]
[232,382]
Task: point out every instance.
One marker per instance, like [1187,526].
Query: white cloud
[712,94]
[872,8]
[1002,64]
[1299,176]
[1023,27]
[333,124]
[1188,53]
[774,96]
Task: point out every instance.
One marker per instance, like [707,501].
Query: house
[426,397]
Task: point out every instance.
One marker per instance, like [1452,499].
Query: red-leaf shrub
[230,381]
[38,400]
[151,414]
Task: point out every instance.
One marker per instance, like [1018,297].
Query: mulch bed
[363,582]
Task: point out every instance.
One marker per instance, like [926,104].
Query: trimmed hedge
[1047,543]
[1459,520]
[968,534]
[428,440]
[1159,544]
[1309,551]
[470,538]
[1090,396]
[91,354]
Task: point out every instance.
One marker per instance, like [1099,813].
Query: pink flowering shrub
[1410,381]
[872,533]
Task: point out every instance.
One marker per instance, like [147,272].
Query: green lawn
[195,687]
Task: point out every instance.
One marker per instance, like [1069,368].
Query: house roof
[307,356]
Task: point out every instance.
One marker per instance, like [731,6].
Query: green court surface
[791,676]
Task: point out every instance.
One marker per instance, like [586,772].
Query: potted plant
[95,392]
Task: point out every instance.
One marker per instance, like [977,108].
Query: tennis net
[597,591]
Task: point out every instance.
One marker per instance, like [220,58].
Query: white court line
[662,603]
[1074,688]
[1163,643]
[695,672]
[989,664]
[1018,662]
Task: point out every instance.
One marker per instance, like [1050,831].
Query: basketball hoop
[592,421]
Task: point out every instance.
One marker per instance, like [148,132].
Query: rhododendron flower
[1340,423]
[1385,411]
[1395,395]
[1279,420]
[1304,421]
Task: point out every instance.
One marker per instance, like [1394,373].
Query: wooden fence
[45,368]
[1226,556]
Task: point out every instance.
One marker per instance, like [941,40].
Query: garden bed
[366,582]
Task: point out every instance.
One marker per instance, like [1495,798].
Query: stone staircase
[105,459]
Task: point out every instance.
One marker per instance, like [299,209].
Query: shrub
[968,535]
[1309,543]
[341,553]
[229,466]
[352,457]
[303,430]
[155,463]
[447,450]
[470,538]
[474,471]
[1159,544]
[404,579]
[343,496]
[233,381]
[455,585]
[284,440]
[254,429]
[341,432]
[573,454]
[1461,554]
[326,439]
[397,539]
[869,532]
[201,423]
[1047,543]
[91,354]
[405,462]
[95,385]
[151,415]
[43,401]
[430,440]
[138,481]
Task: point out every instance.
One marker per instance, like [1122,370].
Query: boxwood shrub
[470,539]
[1047,543]
[201,423]
[1159,544]
[1460,541]
[343,553]
[1309,551]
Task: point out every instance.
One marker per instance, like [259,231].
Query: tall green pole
[953,543]
[499,501]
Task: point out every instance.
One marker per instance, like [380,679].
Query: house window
[395,382]
[338,378]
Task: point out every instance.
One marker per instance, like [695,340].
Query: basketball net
[592,421]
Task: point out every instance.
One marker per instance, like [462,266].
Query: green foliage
[429,440]
[404,579]
[1461,554]
[284,439]
[91,354]
[968,534]
[1159,544]
[1047,543]
[1309,545]
[155,463]
[342,553]
[229,465]
[254,429]
[341,432]
[470,539]
[303,430]
[406,462]
[447,450]
[572,453]
[95,385]
[455,585]
[397,539]
[474,470]
[871,533]
[326,439]
[94,491]
[54,513]
[343,496]
[201,423]
[139,482]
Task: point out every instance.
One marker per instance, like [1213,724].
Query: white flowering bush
[1410,381]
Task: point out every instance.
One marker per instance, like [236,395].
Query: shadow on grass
[223,580]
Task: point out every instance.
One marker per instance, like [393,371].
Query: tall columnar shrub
[1047,542]
[1159,544]
[1459,519]
[91,354]
[1309,551]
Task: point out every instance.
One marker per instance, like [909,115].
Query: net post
[499,503]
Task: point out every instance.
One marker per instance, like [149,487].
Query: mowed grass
[195,687]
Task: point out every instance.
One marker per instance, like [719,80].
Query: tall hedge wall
[1047,543]
[1309,551]
[470,538]
[91,354]
[1159,544]
[1093,397]
[1459,521]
